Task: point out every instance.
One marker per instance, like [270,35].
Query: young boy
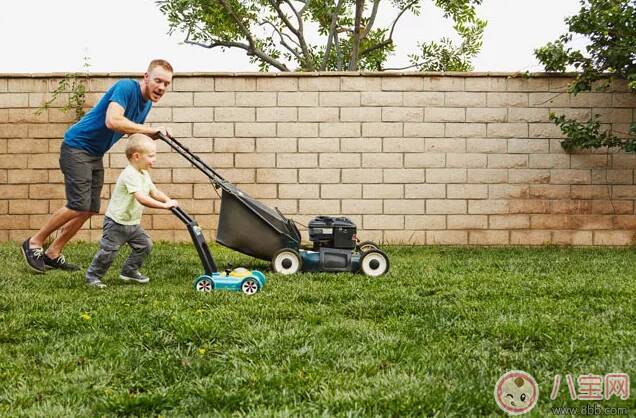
[134,188]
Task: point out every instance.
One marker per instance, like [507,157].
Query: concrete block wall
[464,158]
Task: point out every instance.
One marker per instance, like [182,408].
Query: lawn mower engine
[335,249]
[334,240]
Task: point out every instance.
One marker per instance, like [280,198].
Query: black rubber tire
[365,246]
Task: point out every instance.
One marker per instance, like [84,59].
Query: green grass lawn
[429,339]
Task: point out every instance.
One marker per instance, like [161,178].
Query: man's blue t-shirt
[91,133]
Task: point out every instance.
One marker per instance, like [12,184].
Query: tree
[610,28]
[321,35]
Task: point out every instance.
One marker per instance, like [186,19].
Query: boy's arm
[159,195]
[150,202]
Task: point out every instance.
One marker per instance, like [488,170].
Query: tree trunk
[357,32]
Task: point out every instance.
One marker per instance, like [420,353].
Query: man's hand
[160,130]
[171,203]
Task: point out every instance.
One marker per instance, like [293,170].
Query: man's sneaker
[33,256]
[95,283]
[134,277]
[59,263]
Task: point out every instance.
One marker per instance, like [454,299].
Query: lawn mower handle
[214,177]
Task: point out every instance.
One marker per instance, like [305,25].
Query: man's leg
[81,185]
[32,247]
[53,257]
[68,231]
[88,172]
[61,217]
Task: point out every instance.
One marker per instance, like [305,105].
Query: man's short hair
[160,63]
[137,143]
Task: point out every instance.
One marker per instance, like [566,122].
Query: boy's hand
[171,204]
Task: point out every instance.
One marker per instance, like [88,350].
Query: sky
[124,35]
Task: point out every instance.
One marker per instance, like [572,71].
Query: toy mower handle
[197,239]
[181,214]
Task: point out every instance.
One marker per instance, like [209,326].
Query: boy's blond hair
[137,143]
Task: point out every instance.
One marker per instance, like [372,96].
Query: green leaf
[609,28]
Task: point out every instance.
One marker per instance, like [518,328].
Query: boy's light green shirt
[123,208]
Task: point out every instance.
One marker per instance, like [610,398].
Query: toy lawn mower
[238,280]
[248,226]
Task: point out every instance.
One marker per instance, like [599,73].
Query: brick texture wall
[411,158]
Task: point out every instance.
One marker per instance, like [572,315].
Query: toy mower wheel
[286,261]
[204,284]
[249,287]
[365,246]
[374,263]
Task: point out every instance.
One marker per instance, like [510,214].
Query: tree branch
[306,4]
[376,46]
[301,34]
[282,41]
[355,50]
[376,4]
[216,44]
[280,32]
[228,8]
[332,31]
[338,52]
[408,6]
[398,68]
[270,60]
[254,50]
[296,31]
[389,40]
[291,6]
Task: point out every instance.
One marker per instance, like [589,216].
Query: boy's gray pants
[114,236]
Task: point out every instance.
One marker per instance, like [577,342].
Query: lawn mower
[250,227]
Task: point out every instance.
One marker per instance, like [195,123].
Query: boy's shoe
[95,283]
[33,256]
[59,263]
[135,277]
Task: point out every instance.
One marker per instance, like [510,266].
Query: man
[122,110]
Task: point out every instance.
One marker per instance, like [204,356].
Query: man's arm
[116,121]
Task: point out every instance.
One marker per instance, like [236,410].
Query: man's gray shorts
[83,179]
